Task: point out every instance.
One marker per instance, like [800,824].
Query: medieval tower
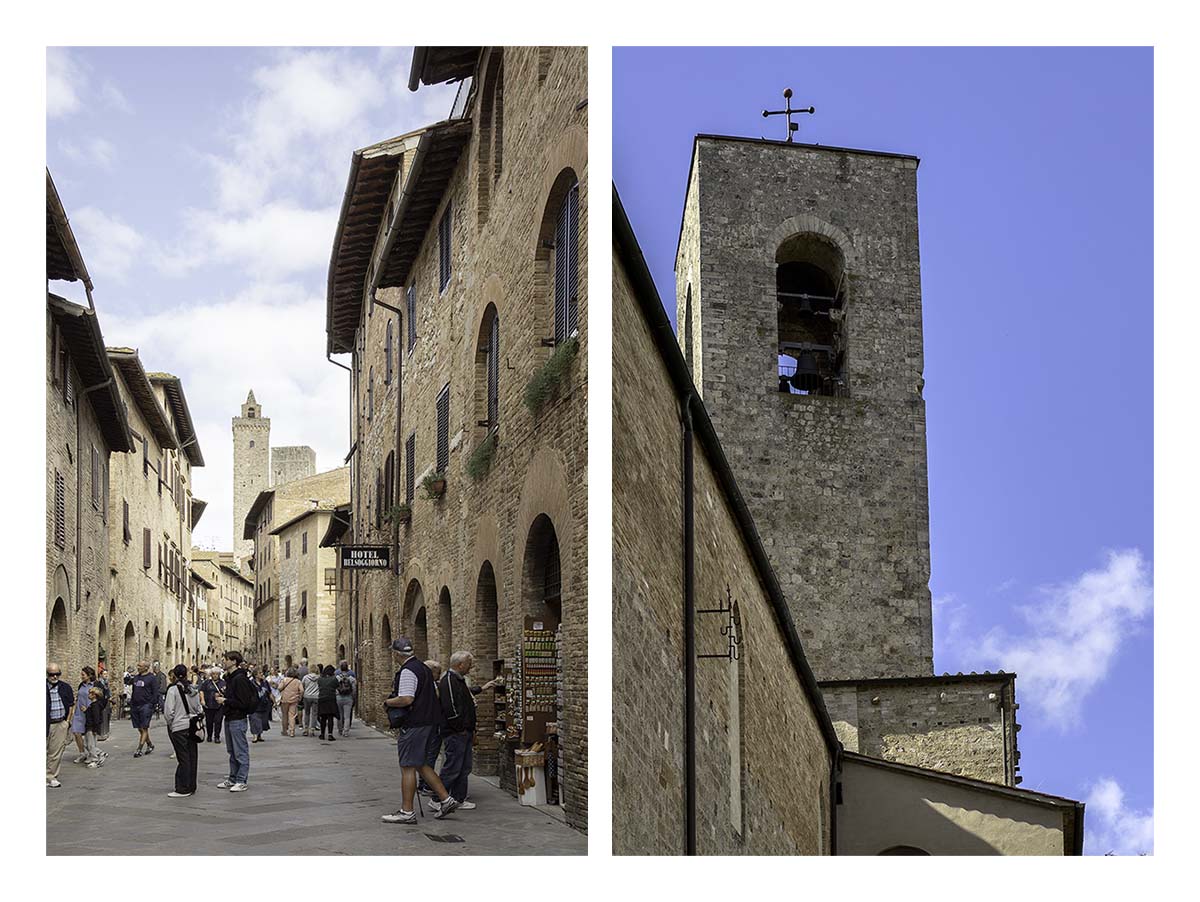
[798,293]
[251,470]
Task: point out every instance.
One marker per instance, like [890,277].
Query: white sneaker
[238,787]
[466,806]
[178,795]
[448,806]
[225,784]
[81,759]
[400,817]
[54,784]
[94,764]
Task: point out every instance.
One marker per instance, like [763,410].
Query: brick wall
[539,467]
[754,711]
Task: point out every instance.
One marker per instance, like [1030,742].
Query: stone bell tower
[799,311]
[251,467]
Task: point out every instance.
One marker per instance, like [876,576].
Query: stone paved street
[306,797]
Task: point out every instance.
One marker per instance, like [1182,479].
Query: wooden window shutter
[410,303]
[573,259]
[125,533]
[68,382]
[370,393]
[493,375]
[145,458]
[146,548]
[443,429]
[445,232]
[60,510]
[304,542]
[410,452]
[378,499]
[95,477]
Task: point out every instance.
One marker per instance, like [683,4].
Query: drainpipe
[689,631]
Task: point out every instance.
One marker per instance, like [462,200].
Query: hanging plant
[434,484]
[545,382]
[398,513]
[480,461]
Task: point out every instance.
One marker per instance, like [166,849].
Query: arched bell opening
[810,298]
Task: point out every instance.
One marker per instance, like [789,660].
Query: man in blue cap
[413,709]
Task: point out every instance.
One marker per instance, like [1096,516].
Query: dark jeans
[238,747]
[212,723]
[326,721]
[460,755]
[187,758]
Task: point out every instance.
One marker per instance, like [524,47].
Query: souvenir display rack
[539,678]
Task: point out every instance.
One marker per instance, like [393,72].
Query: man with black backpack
[345,697]
[238,701]
[413,711]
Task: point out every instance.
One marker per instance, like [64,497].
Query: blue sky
[203,185]
[1036,215]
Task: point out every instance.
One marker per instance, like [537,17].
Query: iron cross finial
[789,112]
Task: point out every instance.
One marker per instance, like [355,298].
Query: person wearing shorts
[142,704]
[413,691]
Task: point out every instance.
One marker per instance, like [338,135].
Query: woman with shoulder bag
[185,727]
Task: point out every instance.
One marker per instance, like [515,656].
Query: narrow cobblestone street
[306,797]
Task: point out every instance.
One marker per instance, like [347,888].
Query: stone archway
[57,639]
[130,648]
[445,627]
[486,648]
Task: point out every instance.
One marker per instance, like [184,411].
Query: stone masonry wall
[781,786]
[837,486]
[73,633]
[539,469]
[306,635]
[251,471]
[292,462]
[964,726]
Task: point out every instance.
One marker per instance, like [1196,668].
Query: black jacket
[93,717]
[458,702]
[241,698]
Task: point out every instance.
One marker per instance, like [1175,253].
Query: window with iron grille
[443,429]
[330,579]
[95,477]
[287,608]
[304,542]
[566,266]
[445,229]
[146,548]
[387,371]
[287,549]
[60,510]
[410,304]
[410,467]
[493,374]
[125,533]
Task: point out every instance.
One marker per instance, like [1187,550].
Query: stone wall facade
[958,725]
[837,485]
[230,605]
[308,608]
[78,590]
[292,462]
[763,764]
[251,466]
[149,617]
[473,562]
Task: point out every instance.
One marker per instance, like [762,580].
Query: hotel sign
[366,557]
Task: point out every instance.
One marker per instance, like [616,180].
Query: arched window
[485,640]
[557,260]
[490,151]
[487,370]
[421,635]
[810,296]
[56,636]
[445,626]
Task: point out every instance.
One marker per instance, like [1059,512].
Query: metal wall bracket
[731,629]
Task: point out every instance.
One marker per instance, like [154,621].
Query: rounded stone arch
[553,196]
[169,660]
[486,551]
[806,223]
[545,494]
[130,648]
[385,631]
[903,850]
[57,635]
[157,645]
[489,326]
[102,644]
[489,149]
[414,619]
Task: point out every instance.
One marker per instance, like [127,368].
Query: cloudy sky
[1035,193]
[204,186]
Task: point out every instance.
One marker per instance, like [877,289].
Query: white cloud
[1074,634]
[95,150]
[63,78]
[276,239]
[269,338]
[110,247]
[1114,828]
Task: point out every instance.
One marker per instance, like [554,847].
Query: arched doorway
[56,635]
[903,850]
[486,649]
[420,636]
[102,641]
[541,592]
[157,646]
[130,647]
[445,627]
[170,661]
[385,631]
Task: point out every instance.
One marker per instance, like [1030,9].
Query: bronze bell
[807,377]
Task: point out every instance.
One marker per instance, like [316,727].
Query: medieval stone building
[458,283]
[799,332]
[230,614]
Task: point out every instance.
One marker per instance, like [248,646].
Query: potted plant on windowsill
[399,513]
[546,381]
[434,484]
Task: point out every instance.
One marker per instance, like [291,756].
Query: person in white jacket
[180,706]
